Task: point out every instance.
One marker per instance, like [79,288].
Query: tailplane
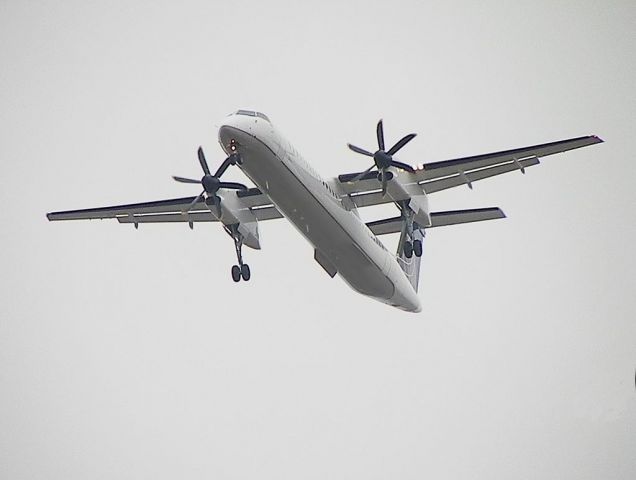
[411,266]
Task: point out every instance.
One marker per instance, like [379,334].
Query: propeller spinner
[383,159]
[211,183]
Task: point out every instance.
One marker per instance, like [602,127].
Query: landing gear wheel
[417,248]
[236,273]
[241,270]
[408,249]
[245,272]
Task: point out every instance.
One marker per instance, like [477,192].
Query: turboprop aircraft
[325,211]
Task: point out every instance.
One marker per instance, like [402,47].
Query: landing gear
[236,273]
[409,246]
[242,270]
[408,249]
[417,248]
[245,272]
[236,158]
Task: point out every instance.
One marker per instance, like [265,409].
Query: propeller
[211,183]
[383,159]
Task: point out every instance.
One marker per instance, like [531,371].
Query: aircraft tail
[411,266]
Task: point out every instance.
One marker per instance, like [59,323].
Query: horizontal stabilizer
[453,217]
[439,219]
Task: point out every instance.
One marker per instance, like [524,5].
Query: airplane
[325,211]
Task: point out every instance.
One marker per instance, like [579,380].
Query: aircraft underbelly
[315,222]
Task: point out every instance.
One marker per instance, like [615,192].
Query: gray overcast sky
[132,354]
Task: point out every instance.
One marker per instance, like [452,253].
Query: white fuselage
[315,208]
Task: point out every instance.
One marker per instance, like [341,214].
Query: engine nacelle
[249,230]
[415,197]
[233,213]
[419,205]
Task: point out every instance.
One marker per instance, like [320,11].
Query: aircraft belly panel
[315,222]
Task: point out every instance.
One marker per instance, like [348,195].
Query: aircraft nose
[407,301]
[225,134]
[230,137]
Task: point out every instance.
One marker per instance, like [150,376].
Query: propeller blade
[384,182]
[221,170]
[401,143]
[232,185]
[403,166]
[360,175]
[185,180]
[359,150]
[380,134]
[194,202]
[204,164]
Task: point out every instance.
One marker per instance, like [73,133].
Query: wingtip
[598,139]
[500,212]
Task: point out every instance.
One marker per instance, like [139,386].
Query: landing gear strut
[409,246]
[242,270]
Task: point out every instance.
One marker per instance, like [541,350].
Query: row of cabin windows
[333,194]
[378,242]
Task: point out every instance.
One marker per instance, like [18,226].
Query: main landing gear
[242,270]
[409,246]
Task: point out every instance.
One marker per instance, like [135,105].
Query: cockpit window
[251,113]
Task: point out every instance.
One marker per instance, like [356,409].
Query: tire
[408,249]
[245,272]
[417,248]
[236,273]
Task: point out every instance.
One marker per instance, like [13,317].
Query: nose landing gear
[242,270]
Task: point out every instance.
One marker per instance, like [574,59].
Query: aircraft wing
[451,173]
[439,219]
[170,210]
[437,176]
